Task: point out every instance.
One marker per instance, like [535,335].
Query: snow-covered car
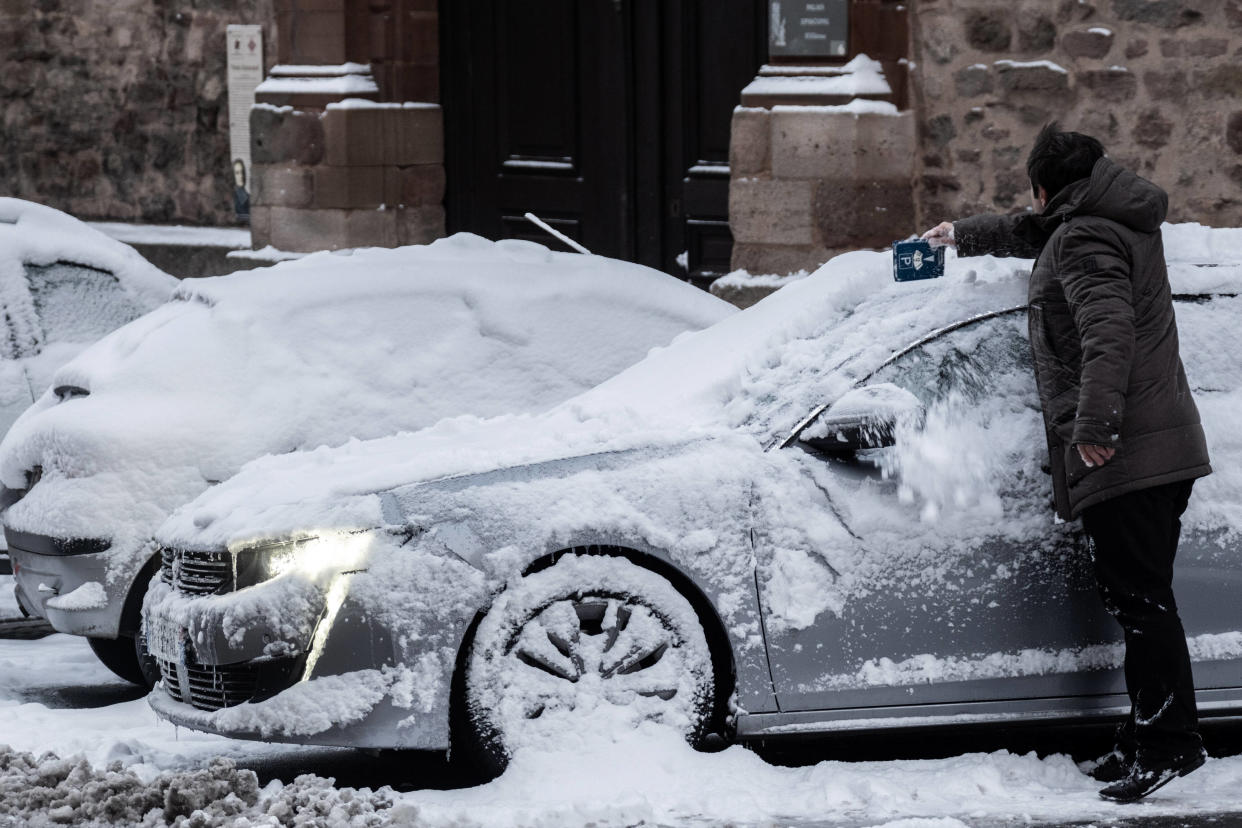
[825,513]
[62,285]
[315,352]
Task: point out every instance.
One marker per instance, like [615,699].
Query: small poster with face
[245,72]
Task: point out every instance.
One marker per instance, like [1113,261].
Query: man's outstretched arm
[986,234]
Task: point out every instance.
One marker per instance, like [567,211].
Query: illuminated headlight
[314,558]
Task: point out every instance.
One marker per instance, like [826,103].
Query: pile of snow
[319,351]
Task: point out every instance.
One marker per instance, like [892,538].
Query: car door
[960,585]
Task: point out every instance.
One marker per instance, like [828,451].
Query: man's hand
[941,235]
[1095,455]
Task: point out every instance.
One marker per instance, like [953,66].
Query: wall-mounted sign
[245,68]
[808,28]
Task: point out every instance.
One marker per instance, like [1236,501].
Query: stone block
[285,136]
[1233,132]
[371,228]
[750,141]
[990,31]
[1224,81]
[1206,47]
[1165,14]
[1031,77]
[260,225]
[1136,48]
[1010,186]
[1093,43]
[779,259]
[939,131]
[969,156]
[379,135]
[282,186]
[1233,14]
[1166,86]
[863,213]
[418,185]
[973,81]
[302,231]
[817,143]
[1153,129]
[349,187]
[1112,85]
[420,224]
[764,211]
[1036,33]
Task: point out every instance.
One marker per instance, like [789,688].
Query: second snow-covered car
[315,352]
[827,512]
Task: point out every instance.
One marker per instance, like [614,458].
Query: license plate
[165,641]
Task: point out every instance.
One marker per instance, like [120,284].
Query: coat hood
[1113,193]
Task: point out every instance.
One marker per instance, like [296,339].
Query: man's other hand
[1095,455]
[941,235]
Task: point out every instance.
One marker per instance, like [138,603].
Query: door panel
[610,119]
[989,599]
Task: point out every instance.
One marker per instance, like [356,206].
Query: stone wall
[119,110]
[1159,82]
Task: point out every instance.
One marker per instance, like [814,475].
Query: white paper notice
[245,60]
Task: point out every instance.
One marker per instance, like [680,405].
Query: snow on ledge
[363,103]
[286,70]
[1031,64]
[336,85]
[858,106]
[174,234]
[861,76]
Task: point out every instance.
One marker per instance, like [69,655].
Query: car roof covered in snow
[34,234]
[322,350]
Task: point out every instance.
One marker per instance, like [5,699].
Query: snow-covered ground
[117,764]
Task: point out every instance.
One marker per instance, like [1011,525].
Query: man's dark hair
[1060,158]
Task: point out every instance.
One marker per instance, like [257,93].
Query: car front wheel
[586,632]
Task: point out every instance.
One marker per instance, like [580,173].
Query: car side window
[979,359]
[78,304]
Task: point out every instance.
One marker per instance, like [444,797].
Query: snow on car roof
[319,351]
[34,234]
[759,372]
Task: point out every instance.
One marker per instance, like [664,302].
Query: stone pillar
[809,182]
[341,157]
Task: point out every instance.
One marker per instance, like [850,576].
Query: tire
[589,629]
[127,657]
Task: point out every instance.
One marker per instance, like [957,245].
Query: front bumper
[45,568]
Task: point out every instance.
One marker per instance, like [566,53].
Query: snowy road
[125,763]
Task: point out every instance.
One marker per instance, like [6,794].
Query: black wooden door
[609,119]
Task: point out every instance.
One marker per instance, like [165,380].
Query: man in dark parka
[1124,438]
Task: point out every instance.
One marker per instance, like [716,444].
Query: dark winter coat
[1103,335]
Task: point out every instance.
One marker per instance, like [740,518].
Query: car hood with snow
[334,347]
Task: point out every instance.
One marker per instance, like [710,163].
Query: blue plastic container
[917,259]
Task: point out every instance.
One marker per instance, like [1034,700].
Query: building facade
[695,136]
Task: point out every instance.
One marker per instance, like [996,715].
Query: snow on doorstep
[858,106]
[342,85]
[861,76]
[266,253]
[174,234]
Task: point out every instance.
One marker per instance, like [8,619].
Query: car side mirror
[864,418]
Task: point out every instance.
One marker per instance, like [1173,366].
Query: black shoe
[1111,767]
[1145,778]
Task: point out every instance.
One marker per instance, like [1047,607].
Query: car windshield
[75,303]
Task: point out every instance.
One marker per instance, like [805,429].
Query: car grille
[208,687]
[196,573]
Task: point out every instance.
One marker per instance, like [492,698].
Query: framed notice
[245,68]
[808,28]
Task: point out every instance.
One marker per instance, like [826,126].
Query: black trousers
[1134,538]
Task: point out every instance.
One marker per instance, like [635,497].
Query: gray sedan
[834,516]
